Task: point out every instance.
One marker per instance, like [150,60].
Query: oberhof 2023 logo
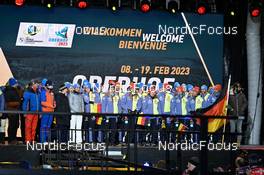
[61,37]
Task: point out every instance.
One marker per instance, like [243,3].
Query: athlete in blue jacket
[111,104]
[32,103]
[151,105]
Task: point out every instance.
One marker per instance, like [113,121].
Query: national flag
[142,121]
[182,127]
[98,109]
[219,108]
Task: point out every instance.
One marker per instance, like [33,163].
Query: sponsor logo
[32,30]
[45,35]
[62,33]
[61,39]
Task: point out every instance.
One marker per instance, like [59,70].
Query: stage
[114,159]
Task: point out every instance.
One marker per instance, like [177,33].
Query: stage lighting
[48,3]
[255,8]
[82,4]
[19,2]
[145,5]
[201,8]
[147,164]
[173,5]
[113,4]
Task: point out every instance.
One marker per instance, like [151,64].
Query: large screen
[69,44]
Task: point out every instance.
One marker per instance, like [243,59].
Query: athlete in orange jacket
[48,105]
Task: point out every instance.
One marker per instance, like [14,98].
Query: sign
[45,35]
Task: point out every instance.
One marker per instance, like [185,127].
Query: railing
[132,133]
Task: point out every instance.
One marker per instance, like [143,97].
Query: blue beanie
[176,84]
[44,81]
[140,85]
[160,85]
[85,82]
[76,85]
[189,87]
[12,81]
[204,87]
[87,85]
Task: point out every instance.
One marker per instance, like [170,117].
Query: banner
[125,46]
[45,35]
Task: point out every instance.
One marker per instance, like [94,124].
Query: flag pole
[228,89]
[197,49]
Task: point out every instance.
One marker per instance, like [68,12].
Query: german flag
[182,127]
[98,109]
[142,121]
[219,108]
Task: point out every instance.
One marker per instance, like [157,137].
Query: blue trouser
[89,127]
[112,127]
[46,121]
[123,127]
[154,126]
[62,133]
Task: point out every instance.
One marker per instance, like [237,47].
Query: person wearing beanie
[165,98]
[62,121]
[178,107]
[48,104]
[76,106]
[194,102]
[13,100]
[111,104]
[238,105]
[88,121]
[204,96]
[151,105]
[128,106]
[96,107]
[32,103]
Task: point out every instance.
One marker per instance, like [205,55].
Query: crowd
[176,99]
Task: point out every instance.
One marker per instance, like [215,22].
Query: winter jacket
[76,102]
[129,102]
[151,105]
[48,102]
[111,104]
[62,105]
[12,98]
[31,101]
[238,104]
[179,105]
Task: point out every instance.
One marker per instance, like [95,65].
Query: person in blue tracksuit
[88,125]
[213,96]
[178,107]
[111,104]
[204,95]
[165,98]
[96,103]
[194,102]
[151,105]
